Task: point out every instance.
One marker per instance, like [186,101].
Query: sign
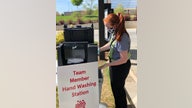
[78,86]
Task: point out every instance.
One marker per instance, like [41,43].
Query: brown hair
[119,22]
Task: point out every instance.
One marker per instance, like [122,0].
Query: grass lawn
[67,18]
[106,93]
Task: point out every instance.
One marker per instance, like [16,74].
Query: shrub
[132,17]
[59,37]
[62,22]
[97,20]
[57,23]
[127,17]
[70,22]
[89,21]
[71,26]
[80,21]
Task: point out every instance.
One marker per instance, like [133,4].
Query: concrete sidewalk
[131,81]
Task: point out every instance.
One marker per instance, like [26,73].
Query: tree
[76,2]
[95,12]
[89,6]
[119,9]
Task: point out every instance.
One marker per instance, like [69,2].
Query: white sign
[78,86]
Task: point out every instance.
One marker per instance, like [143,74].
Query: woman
[119,57]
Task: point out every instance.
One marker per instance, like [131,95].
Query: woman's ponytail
[120,27]
[121,18]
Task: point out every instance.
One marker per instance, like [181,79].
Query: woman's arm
[123,59]
[105,47]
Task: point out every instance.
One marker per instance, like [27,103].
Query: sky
[66,5]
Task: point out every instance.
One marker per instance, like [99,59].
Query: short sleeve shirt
[123,45]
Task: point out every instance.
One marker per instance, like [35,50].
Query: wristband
[98,51]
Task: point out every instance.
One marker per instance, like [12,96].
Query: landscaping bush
[59,37]
[70,22]
[132,17]
[79,21]
[62,22]
[97,20]
[57,23]
[73,20]
[127,17]
[89,21]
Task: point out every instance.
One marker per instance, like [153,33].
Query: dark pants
[118,76]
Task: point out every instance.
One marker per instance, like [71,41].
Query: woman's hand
[104,65]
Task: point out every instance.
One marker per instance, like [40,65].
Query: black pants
[118,76]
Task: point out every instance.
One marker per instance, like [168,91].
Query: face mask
[111,30]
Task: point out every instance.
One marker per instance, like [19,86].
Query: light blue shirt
[123,45]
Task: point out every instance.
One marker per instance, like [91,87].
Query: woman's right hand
[104,65]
